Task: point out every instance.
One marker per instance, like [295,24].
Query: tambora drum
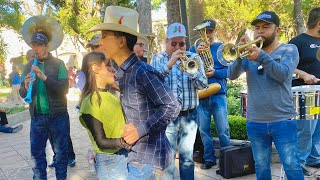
[307,101]
[243,100]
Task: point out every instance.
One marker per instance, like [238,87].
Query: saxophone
[207,59]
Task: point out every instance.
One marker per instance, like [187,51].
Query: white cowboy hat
[119,19]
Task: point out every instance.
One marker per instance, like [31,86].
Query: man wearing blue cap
[270,107]
[48,109]
[214,105]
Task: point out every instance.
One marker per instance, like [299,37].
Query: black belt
[186,112]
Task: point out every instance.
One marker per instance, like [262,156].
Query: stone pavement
[15,163]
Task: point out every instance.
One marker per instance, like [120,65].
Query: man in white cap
[148,103]
[182,132]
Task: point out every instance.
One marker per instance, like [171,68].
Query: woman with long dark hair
[101,114]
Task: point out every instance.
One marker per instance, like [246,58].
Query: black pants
[4,119]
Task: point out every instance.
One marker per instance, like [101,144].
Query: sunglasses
[140,44]
[181,44]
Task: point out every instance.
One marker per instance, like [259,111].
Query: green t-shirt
[109,113]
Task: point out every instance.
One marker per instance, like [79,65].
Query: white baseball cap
[176,30]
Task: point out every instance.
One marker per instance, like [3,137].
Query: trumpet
[189,65]
[228,53]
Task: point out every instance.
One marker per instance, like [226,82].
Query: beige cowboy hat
[119,19]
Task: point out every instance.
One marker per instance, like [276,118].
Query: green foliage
[234,104]
[14,110]
[5,94]
[237,128]
[10,14]
[234,15]
[3,51]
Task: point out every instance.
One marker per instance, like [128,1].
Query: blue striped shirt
[190,84]
[150,105]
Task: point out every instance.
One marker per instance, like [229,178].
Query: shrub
[237,127]
[234,104]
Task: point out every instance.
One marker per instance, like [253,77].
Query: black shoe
[72,163]
[315,165]
[208,165]
[53,164]
[17,129]
[305,171]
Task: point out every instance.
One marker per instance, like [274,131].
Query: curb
[18,117]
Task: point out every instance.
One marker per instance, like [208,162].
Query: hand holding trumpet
[253,50]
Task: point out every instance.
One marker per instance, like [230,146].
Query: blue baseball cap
[39,37]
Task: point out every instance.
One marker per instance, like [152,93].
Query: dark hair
[91,85]
[131,39]
[314,18]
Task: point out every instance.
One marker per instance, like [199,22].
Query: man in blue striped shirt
[185,86]
[149,104]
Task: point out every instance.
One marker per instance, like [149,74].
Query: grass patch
[5,94]
[14,110]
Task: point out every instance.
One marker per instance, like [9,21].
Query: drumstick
[317,80]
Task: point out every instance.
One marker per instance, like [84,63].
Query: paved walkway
[15,163]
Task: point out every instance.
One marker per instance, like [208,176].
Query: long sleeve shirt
[184,86]
[221,71]
[269,89]
[150,105]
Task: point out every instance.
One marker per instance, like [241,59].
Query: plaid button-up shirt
[150,105]
[184,86]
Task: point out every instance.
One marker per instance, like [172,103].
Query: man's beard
[268,41]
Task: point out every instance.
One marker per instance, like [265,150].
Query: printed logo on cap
[261,16]
[177,29]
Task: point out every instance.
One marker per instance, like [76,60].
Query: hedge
[237,127]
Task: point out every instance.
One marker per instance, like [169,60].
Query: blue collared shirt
[150,105]
[190,84]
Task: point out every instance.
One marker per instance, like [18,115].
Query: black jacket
[56,88]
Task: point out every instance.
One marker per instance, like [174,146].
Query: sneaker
[208,165]
[315,165]
[72,163]
[17,129]
[53,164]
[305,171]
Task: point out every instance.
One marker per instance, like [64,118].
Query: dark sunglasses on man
[181,44]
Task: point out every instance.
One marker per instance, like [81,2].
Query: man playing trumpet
[181,132]
[214,105]
[270,106]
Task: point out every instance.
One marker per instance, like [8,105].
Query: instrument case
[236,161]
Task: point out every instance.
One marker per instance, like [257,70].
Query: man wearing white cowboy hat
[148,103]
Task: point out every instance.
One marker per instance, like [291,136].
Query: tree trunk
[298,17]
[196,16]
[173,11]
[144,10]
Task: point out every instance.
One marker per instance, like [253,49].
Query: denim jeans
[308,141]
[58,127]
[111,166]
[71,154]
[182,132]
[5,129]
[215,106]
[143,171]
[284,136]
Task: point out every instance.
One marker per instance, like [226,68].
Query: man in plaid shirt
[181,132]
[148,103]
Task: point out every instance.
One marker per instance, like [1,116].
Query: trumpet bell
[227,54]
[50,27]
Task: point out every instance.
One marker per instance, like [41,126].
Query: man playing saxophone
[216,104]
[185,85]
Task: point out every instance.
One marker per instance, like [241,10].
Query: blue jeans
[143,171]
[6,129]
[111,166]
[182,132]
[284,136]
[59,128]
[308,141]
[215,106]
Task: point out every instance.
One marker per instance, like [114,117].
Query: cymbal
[50,27]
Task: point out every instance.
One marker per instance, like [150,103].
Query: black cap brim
[254,22]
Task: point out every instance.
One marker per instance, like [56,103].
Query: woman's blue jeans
[284,136]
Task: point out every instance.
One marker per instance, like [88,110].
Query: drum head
[306,88]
